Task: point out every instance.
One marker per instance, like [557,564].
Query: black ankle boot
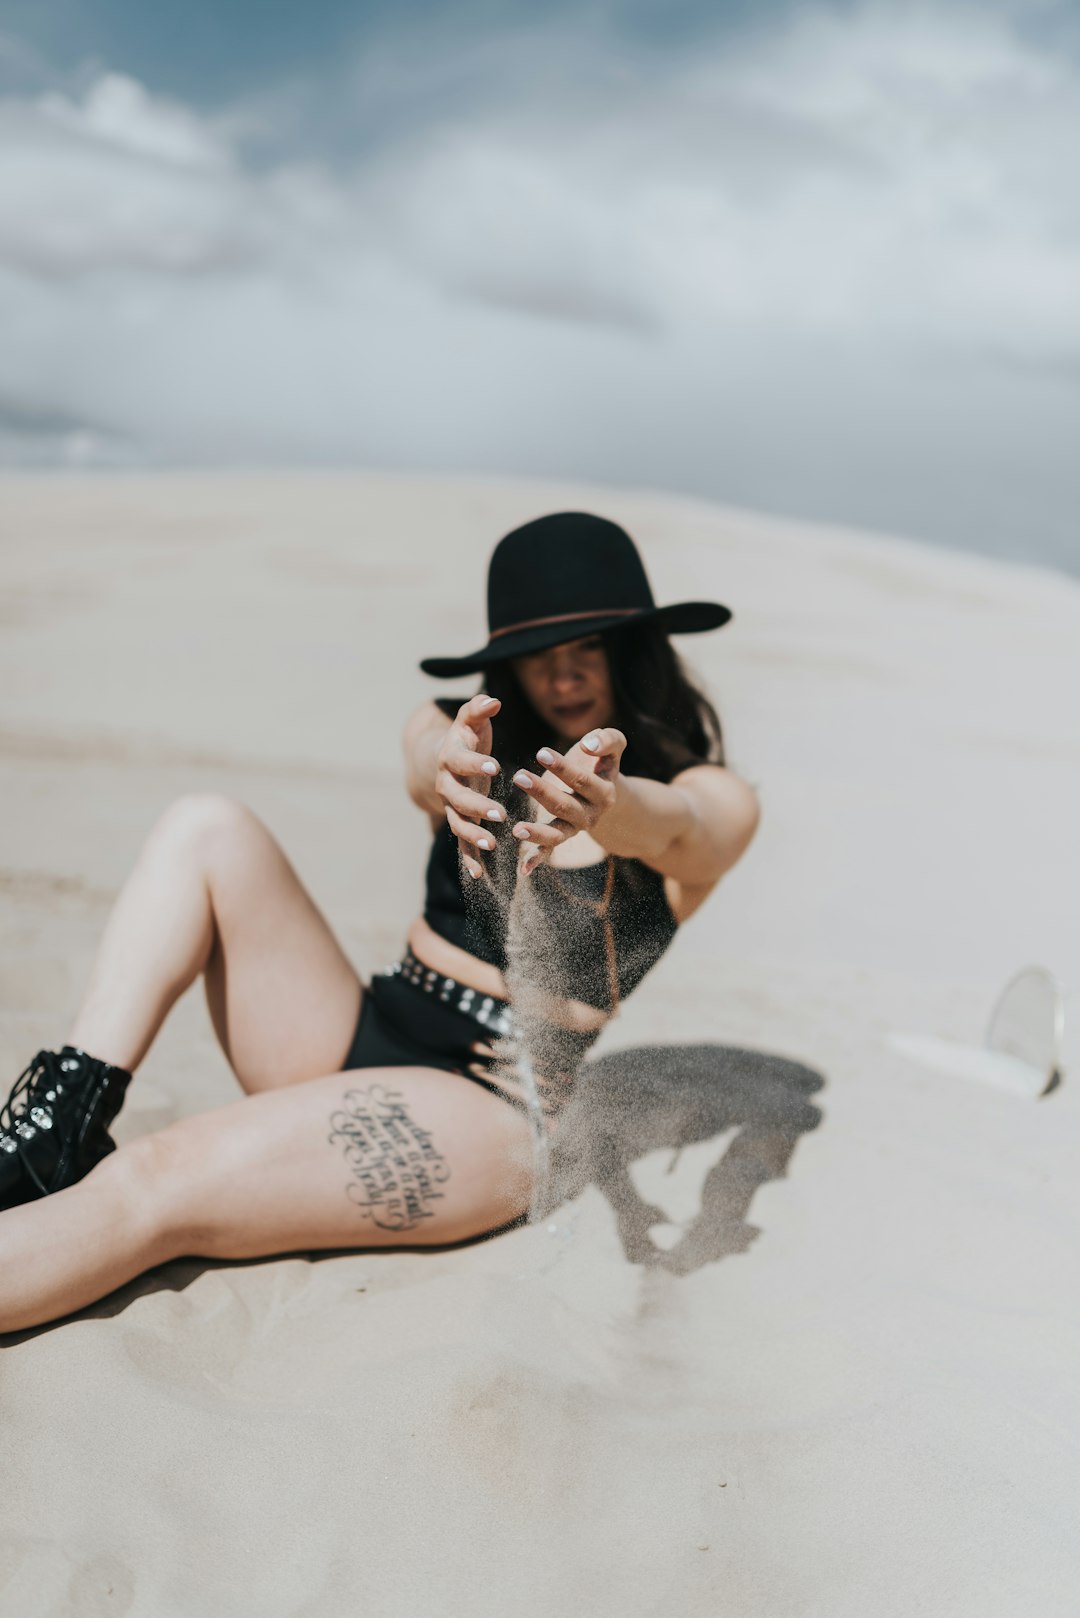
[54,1125]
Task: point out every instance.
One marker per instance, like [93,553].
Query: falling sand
[551,936]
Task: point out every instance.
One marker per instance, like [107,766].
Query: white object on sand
[1022,1050]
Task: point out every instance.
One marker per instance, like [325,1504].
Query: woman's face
[569,686]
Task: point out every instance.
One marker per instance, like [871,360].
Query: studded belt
[492,1014]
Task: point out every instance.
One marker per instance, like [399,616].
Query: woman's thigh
[374,1157]
[283,997]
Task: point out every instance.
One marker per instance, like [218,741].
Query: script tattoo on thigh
[395,1170]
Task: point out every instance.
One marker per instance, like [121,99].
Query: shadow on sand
[627,1105]
[653,1096]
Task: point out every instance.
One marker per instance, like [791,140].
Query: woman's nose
[563,667]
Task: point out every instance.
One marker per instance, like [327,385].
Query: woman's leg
[213,893]
[377,1157]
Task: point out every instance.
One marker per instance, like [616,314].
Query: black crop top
[620,930]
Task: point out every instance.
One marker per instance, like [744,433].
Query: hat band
[566,618]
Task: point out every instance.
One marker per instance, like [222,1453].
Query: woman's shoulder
[726,817]
[719,793]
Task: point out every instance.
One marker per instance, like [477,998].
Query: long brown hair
[668,721]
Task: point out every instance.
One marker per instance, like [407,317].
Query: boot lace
[31,1105]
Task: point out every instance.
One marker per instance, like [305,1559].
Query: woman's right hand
[463,771]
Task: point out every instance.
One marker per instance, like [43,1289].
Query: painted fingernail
[546,756]
[521,832]
[591,743]
[523,779]
[494,814]
[485,842]
[489,767]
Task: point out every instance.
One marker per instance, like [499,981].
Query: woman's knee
[174,1183]
[198,825]
[140,1178]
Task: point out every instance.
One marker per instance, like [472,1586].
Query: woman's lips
[577,711]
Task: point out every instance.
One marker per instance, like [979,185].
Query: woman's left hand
[575,790]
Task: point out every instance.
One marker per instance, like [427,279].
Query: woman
[387,1114]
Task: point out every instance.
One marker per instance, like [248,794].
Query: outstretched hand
[573,791]
[463,774]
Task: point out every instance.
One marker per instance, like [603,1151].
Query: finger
[480,706]
[461,761]
[604,742]
[479,839]
[563,805]
[474,717]
[506,1081]
[582,781]
[607,748]
[471,864]
[472,805]
[482,1048]
[538,845]
[544,833]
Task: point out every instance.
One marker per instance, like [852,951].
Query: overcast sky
[819,259]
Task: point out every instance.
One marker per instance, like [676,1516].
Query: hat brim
[684,618]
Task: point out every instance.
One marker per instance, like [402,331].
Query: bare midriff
[437,952]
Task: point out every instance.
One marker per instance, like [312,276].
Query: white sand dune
[839,1375]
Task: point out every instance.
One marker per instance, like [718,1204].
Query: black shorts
[402,1026]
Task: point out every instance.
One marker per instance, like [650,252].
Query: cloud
[118,113]
[564,256]
[120,181]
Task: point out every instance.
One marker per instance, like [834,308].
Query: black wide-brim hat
[562,577]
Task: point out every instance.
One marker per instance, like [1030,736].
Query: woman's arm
[693,829]
[425,731]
